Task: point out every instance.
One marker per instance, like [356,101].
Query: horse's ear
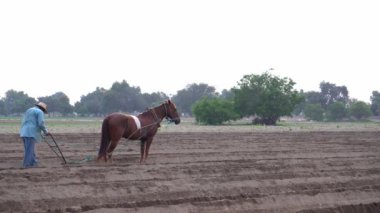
[172,104]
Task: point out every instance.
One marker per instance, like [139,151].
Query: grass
[57,125]
[93,125]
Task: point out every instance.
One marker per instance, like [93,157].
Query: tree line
[264,98]
[332,103]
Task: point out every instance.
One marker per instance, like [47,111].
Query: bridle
[166,114]
[158,120]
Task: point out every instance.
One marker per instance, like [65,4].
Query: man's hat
[43,106]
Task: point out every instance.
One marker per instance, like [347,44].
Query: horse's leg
[145,145]
[148,143]
[142,150]
[110,149]
[115,138]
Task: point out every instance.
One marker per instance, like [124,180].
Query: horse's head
[171,112]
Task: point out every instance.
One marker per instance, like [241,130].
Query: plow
[53,145]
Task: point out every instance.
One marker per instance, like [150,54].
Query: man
[32,125]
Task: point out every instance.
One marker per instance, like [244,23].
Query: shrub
[214,111]
[314,112]
[360,110]
[336,112]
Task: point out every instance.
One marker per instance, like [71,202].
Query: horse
[142,127]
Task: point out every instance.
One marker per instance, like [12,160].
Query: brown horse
[142,127]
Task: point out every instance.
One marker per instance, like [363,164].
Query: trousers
[29,152]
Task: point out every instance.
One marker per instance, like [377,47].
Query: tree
[123,98]
[2,107]
[375,103]
[17,102]
[154,99]
[58,102]
[360,110]
[185,98]
[314,112]
[330,93]
[266,96]
[300,107]
[91,103]
[336,111]
[227,94]
[314,97]
[214,111]
[307,98]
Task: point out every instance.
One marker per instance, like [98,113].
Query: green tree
[375,103]
[360,110]
[300,107]
[313,97]
[185,98]
[227,94]
[214,111]
[17,102]
[154,99]
[58,102]
[314,112]
[336,111]
[266,96]
[330,93]
[2,107]
[91,104]
[123,98]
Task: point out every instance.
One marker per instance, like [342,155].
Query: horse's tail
[105,139]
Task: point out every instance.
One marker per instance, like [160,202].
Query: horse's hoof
[101,160]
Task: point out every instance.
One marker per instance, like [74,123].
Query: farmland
[293,167]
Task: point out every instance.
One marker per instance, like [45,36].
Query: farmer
[30,132]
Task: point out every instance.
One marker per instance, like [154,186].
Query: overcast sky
[76,46]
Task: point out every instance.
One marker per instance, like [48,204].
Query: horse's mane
[145,112]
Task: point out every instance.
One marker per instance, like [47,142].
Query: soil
[198,172]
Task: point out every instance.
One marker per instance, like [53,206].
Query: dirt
[199,172]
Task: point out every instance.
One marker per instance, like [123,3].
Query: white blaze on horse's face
[172,112]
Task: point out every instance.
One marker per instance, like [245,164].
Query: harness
[137,121]
[157,122]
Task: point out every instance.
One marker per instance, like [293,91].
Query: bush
[336,112]
[314,112]
[360,110]
[214,111]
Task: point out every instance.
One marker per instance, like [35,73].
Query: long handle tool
[49,139]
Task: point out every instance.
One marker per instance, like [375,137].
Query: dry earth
[199,172]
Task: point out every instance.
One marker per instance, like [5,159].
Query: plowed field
[199,172]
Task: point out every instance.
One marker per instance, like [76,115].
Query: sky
[76,46]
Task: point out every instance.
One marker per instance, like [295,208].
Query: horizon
[171,95]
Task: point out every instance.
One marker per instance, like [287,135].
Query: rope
[157,121]
[84,160]
[54,145]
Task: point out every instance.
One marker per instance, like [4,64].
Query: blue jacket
[33,123]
